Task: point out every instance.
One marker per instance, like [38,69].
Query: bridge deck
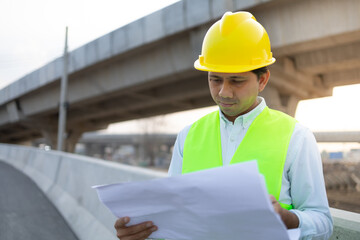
[25,211]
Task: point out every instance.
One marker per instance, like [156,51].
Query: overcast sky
[32,34]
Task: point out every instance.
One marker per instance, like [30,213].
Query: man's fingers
[272,199]
[138,231]
[131,230]
[121,222]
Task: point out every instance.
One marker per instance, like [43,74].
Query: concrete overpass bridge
[169,139]
[146,67]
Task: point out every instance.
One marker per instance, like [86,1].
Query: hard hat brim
[232,68]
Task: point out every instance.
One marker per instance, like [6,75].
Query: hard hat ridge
[230,21]
[235,43]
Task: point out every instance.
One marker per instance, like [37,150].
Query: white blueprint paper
[221,203]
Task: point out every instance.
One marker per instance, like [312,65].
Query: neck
[233,118]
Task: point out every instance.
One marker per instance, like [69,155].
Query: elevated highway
[169,139]
[146,67]
[337,136]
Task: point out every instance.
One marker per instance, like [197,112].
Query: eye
[237,81]
[216,80]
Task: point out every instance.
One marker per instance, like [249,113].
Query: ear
[263,80]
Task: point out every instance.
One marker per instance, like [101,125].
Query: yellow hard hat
[235,43]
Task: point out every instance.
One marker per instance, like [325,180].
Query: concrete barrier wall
[346,225]
[67,179]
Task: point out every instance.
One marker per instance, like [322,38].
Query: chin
[230,114]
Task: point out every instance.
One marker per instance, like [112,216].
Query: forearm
[306,186]
[289,218]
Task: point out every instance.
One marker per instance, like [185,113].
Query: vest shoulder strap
[202,147]
[267,141]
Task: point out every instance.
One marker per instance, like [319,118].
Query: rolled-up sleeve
[307,187]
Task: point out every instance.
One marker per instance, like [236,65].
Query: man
[236,53]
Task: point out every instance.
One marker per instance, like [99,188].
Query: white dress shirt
[302,181]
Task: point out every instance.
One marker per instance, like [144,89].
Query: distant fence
[66,179]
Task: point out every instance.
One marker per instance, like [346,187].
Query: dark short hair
[260,71]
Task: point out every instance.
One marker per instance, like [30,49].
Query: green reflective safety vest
[267,141]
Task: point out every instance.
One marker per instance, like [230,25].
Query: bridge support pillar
[50,136]
[284,103]
[71,138]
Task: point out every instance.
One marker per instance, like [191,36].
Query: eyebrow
[231,77]
[237,78]
[215,76]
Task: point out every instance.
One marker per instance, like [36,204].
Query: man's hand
[289,219]
[135,232]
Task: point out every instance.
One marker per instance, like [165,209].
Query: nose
[225,90]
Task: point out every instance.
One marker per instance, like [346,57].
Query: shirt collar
[246,119]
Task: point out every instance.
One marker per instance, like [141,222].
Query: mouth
[225,104]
